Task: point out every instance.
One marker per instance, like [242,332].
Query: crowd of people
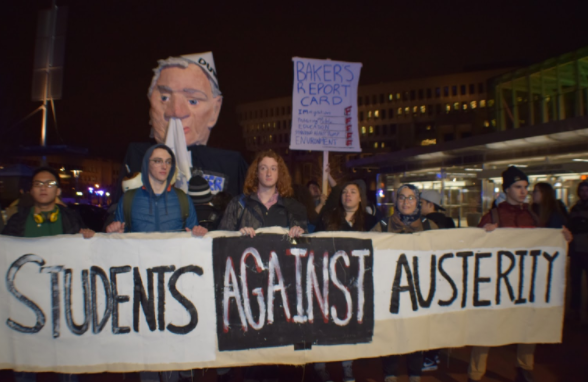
[222,193]
[268,199]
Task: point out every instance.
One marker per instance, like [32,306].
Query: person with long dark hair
[578,250]
[547,207]
[349,215]
[406,219]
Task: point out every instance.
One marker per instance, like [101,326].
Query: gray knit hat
[199,190]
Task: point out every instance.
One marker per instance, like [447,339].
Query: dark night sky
[111,47]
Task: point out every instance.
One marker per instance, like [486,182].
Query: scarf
[408,220]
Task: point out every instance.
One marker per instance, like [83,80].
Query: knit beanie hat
[511,176]
[199,190]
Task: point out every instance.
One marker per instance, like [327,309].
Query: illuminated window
[383,144]
[369,114]
[447,107]
[483,103]
[271,138]
[423,109]
[363,129]
[375,145]
[464,106]
[493,123]
[414,109]
[456,106]
[399,111]
[397,95]
[428,127]
[491,102]
[406,110]
[473,104]
[376,113]
[390,97]
[371,129]
[274,125]
[486,124]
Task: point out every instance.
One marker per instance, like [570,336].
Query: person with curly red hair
[266,200]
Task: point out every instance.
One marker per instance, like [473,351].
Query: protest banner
[169,301]
[324,105]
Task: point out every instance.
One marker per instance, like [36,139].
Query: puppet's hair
[179,62]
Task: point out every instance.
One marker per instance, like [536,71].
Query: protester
[303,196]
[431,208]
[512,213]
[319,197]
[199,192]
[184,92]
[349,215]
[546,207]
[578,249]
[156,207]
[406,218]
[45,218]
[266,200]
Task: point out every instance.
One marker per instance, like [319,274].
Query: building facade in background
[392,116]
[88,180]
[454,133]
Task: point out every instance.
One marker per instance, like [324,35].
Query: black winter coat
[248,211]
[369,221]
[71,220]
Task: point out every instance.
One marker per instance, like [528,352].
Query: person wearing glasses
[406,218]
[45,218]
[156,206]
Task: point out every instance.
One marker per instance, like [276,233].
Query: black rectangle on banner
[270,292]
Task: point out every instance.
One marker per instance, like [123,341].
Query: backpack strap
[127,201]
[242,205]
[495,216]
[184,205]
[426,224]
[535,218]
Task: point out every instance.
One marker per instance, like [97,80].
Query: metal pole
[47,82]
[325,176]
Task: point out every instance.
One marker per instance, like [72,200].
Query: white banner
[130,302]
[324,105]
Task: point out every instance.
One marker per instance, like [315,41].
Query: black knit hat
[511,176]
[199,190]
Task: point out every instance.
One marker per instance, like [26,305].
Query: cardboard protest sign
[130,302]
[324,105]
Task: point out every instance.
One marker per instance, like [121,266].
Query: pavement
[565,362]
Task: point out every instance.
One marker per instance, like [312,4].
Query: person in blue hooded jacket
[157,206]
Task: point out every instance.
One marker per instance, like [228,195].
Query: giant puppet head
[185,88]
